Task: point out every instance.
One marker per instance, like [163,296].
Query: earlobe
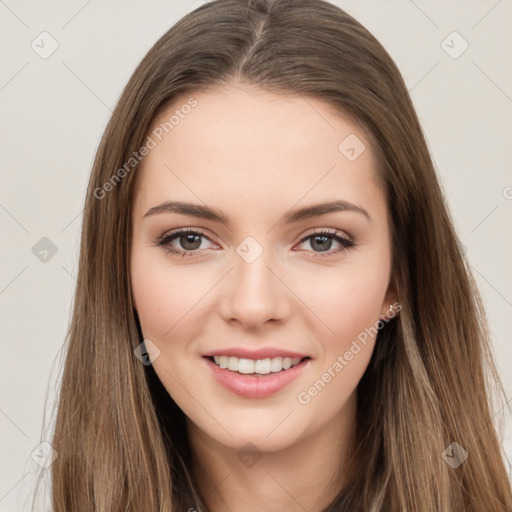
[393,310]
[391,305]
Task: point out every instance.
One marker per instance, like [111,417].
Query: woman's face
[258,279]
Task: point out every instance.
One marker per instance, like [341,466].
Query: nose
[254,294]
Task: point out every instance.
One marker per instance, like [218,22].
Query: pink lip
[261,353]
[255,386]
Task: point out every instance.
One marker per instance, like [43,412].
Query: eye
[189,239]
[322,240]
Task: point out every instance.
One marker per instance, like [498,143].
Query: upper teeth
[261,366]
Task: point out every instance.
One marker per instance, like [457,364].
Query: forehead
[256,148]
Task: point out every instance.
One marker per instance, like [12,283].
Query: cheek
[164,297]
[352,314]
[346,307]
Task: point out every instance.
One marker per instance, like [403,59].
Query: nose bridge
[255,294]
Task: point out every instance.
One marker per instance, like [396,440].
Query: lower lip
[252,385]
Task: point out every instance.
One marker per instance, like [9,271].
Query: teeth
[276,364]
[259,366]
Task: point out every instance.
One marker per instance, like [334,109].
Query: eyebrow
[290,217]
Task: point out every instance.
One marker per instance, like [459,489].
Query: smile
[258,366]
[255,378]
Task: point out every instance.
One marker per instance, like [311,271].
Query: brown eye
[190,242]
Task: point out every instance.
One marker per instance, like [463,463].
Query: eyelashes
[344,242]
[193,235]
[165,241]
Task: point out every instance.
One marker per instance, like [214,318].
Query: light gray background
[53,112]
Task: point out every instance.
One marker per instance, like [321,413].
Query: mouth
[263,379]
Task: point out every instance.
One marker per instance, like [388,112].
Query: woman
[223,354]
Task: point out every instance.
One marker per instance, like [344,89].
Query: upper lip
[261,353]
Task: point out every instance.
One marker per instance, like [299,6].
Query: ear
[390,300]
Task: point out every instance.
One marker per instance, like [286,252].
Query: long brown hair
[120,437]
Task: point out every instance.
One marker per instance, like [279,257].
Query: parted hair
[121,439]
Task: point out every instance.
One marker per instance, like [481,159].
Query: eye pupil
[325,245]
[190,239]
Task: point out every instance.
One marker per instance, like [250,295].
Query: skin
[255,156]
